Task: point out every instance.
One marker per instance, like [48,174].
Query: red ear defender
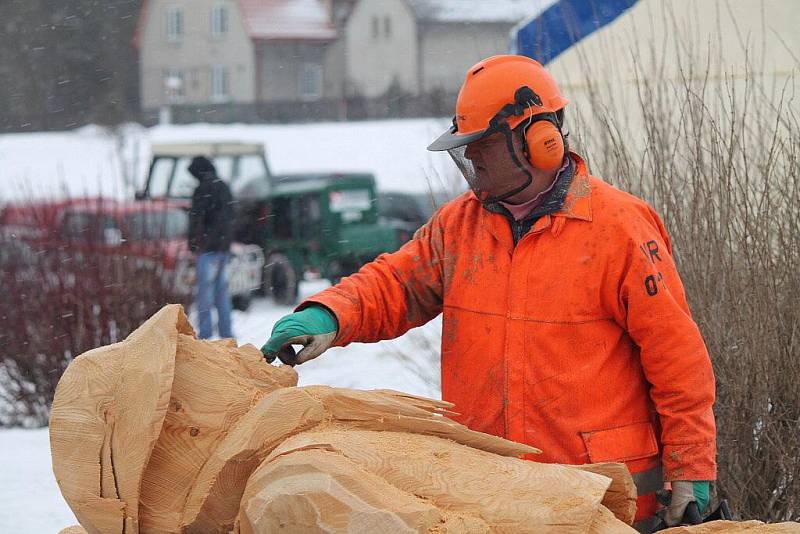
[545,145]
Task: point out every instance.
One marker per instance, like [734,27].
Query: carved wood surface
[166,433]
[474,487]
[621,495]
[211,391]
[106,416]
[732,527]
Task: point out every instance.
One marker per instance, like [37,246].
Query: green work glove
[314,327]
[684,492]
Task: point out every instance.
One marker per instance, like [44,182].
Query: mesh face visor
[494,166]
[493,160]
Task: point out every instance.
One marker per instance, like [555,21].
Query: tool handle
[692,516]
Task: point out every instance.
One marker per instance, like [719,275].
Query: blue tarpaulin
[563,24]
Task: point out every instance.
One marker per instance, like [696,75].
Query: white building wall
[448,50]
[737,44]
[195,54]
[375,59]
[644,74]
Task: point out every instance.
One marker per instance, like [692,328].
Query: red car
[150,231]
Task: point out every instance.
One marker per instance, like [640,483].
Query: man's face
[490,148]
[496,172]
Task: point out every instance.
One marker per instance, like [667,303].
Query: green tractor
[323,225]
[326,224]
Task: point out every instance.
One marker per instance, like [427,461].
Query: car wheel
[346,268]
[280,280]
[240,302]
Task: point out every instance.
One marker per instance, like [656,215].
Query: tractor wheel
[346,267]
[241,302]
[280,280]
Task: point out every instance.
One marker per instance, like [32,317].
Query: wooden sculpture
[167,433]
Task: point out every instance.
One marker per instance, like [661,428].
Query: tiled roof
[288,19]
[509,11]
[275,20]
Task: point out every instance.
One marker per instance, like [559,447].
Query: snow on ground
[29,497]
[395,150]
[30,501]
[94,160]
[396,364]
[81,162]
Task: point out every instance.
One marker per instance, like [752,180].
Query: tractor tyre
[280,280]
[241,302]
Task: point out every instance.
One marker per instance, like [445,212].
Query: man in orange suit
[565,321]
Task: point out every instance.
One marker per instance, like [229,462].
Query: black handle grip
[692,516]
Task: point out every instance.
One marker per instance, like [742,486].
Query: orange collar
[578,204]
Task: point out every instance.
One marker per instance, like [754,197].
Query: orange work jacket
[578,340]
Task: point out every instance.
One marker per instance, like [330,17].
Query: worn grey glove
[314,327]
[684,492]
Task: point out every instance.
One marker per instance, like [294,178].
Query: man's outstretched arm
[383,300]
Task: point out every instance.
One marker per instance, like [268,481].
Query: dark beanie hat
[202,168]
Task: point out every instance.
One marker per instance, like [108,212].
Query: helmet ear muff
[545,145]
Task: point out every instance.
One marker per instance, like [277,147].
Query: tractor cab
[237,163]
[319,224]
[322,223]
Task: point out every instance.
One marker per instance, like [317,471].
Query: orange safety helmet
[489,86]
[497,95]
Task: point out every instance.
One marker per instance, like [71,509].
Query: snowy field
[398,364]
[29,497]
[93,160]
[30,501]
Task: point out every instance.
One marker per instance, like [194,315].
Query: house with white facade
[306,59]
[212,52]
[424,45]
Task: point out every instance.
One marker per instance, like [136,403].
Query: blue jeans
[212,289]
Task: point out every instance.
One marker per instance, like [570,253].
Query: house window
[310,81]
[220,83]
[219,21]
[376,23]
[387,27]
[174,24]
[174,85]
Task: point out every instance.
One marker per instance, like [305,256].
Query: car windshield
[156,225]
[86,226]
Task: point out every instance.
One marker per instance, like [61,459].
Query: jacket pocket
[621,444]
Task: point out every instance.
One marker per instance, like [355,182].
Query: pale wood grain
[167,433]
[621,495]
[214,501]
[605,522]
[508,494]
[326,492]
[215,384]
[216,494]
[107,413]
[747,527]
[391,410]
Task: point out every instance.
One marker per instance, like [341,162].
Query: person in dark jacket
[210,236]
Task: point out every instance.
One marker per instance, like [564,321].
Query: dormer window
[219,21]
[174,24]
